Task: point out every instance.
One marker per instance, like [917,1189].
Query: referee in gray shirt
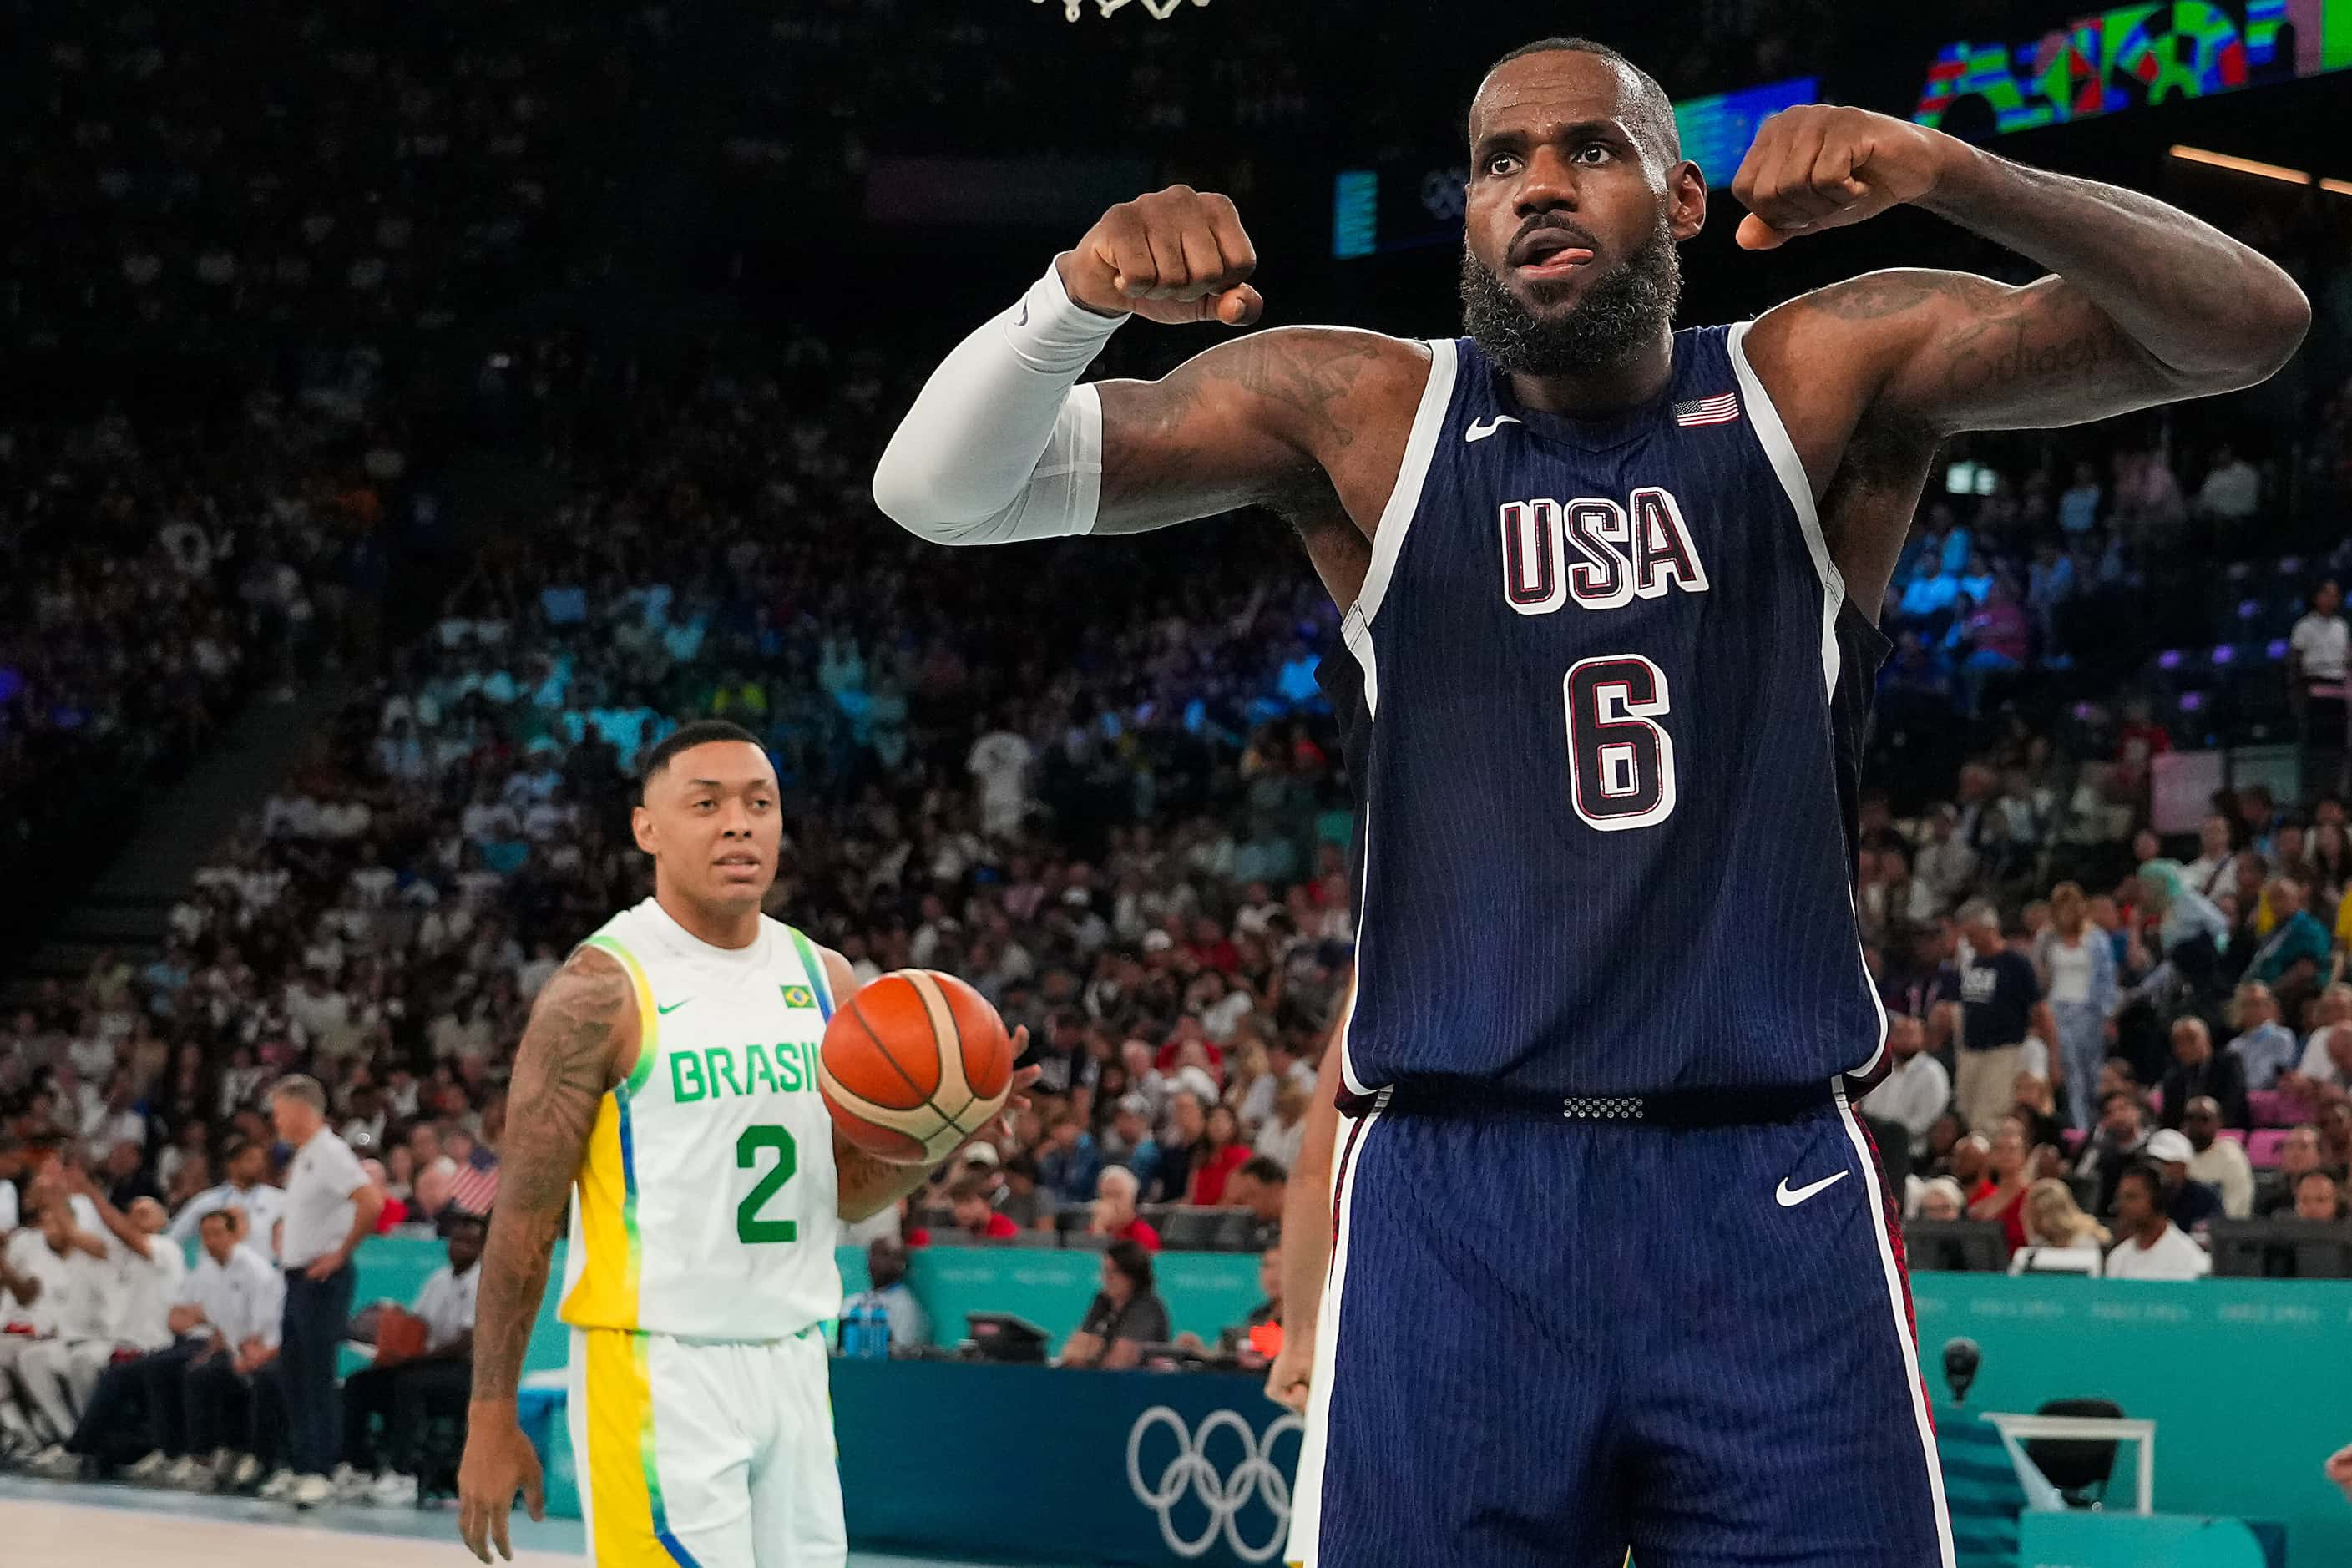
[330,1208]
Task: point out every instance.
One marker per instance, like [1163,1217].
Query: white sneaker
[184,1466]
[275,1488]
[351,1485]
[311,1491]
[247,1470]
[56,1464]
[394,1491]
[199,1476]
[147,1469]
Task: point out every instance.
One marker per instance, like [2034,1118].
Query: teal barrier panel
[1103,1467]
[2129,1541]
[1205,1290]
[2249,1382]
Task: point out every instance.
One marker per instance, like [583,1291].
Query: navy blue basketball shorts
[1545,1342]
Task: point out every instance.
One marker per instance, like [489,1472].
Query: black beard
[1624,310]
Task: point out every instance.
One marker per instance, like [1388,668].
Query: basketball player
[666,1093]
[1613,1265]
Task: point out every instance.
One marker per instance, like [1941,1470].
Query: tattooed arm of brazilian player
[583,1025]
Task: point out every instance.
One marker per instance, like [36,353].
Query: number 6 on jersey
[1620,763]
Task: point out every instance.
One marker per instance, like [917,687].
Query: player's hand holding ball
[1821,165]
[916,1065]
[1177,256]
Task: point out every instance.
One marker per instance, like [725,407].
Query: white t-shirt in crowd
[446,1304]
[319,1208]
[1912,1094]
[2070,968]
[2322,641]
[74,1301]
[2174,1256]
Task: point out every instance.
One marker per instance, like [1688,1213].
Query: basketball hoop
[1160,9]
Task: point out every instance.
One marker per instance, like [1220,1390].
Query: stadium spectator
[2001,1004]
[1260,1185]
[1281,1134]
[54,1300]
[2035,1108]
[2293,959]
[1115,1216]
[424,1368]
[2117,1142]
[1026,1201]
[1180,1147]
[59,1375]
[2264,1046]
[2192,1205]
[975,1219]
[2298,1155]
[2220,1163]
[2152,1247]
[1125,1315]
[1916,1091]
[2209,872]
[2054,1222]
[1999,1196]
[2200,1071]
[1218,1154]
[2318,1196]
[1068,1164]
[2076,968]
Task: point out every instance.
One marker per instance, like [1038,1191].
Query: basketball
[914,1065]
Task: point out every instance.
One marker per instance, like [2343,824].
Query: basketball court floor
[102,1526]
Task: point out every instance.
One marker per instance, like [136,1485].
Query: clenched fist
[1819,166]
[1175,256]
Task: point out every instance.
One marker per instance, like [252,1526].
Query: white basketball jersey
[705,1207]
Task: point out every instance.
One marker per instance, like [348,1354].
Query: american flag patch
[1721,409]
[476,1185]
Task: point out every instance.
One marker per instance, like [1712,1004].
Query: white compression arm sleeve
[1001,443]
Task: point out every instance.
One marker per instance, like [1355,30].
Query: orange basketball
[913,1065]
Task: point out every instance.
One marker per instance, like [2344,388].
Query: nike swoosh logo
[1481,428]
[675,1006]
[1788,1200]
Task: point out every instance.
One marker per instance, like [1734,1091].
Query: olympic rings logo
[1192,1471]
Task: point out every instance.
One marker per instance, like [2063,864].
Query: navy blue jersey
[1616,699]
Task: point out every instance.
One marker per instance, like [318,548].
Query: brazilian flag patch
[798,996]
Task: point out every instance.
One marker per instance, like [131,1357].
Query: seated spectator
[2198,1069]
[2152,1247]
[2054,1222]
[59,1375]
[2297,1155]
[1129,1143]
[1025,1201]
[1282,1134]
[1114,1214]
[2336,1134]
[1125,1315]
[902,1316]
[1253,1343]
[1916,1089]
[2037,1111]
[1940,1198]
[2265,1047]
[1260,1186]
[2001,1195]
[1181,1143]
[2293,959]
[2318,1196]
[406,1388]
[1220,1153]
[2220,1163]
[1068,1164]
[975,1220]
[2115,1143]
[2191,1205]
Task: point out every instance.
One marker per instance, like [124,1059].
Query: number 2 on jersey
[1621,761]
[750,1227]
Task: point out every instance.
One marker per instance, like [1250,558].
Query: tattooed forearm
[1236,426]
[2212,311]
[869,1186]
[561,1070]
